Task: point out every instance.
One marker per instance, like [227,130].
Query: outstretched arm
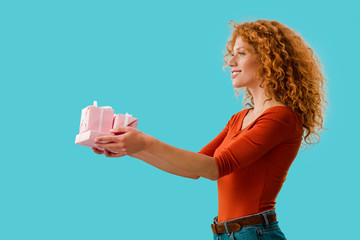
[133,141]
[154,161]
[162,165]
[196,163]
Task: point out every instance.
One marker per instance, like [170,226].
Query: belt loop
[227,231]
[232,236]
[266,219]
[215,220]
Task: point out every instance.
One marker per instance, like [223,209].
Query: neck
[259,100]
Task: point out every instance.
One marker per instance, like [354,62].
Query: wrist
[149,142]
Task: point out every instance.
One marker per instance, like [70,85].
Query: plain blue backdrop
[162,62]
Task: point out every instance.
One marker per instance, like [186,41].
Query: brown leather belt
[236,224]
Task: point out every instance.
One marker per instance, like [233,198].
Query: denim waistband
[272,211]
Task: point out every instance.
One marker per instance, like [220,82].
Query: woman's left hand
[130,141]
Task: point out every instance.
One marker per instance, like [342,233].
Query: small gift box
[125,120]
[98,121]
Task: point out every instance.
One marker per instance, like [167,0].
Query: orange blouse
[253,162]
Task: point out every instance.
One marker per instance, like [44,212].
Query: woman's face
[244,64]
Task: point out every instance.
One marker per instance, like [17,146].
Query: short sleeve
[210,148]
[269,130]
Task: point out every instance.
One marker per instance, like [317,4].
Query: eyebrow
[239,48]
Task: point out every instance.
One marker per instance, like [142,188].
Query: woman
[251,156]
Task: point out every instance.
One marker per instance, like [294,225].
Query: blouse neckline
[247,111]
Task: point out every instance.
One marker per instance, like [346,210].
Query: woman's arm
[162,165]
[196,163]
[152,160]
[132,141]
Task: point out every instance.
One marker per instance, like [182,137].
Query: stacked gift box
[98,121]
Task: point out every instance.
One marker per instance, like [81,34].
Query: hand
[129,142]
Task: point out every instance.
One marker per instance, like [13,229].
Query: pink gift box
[88,138]
[98,121]
[96,118]
[125,120]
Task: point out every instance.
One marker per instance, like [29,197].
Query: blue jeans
[255,232]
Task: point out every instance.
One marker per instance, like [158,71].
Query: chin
[241,83]
[236,85]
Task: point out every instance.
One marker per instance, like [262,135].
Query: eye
[240,53]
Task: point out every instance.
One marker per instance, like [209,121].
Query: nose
[232,62]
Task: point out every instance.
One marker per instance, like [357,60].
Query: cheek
[251,67]
[249,64]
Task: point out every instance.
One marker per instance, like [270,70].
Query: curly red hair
[289,71]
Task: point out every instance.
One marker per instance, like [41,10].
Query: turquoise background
[162,62]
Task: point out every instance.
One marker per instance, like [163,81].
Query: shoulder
[279,110]
[284,116]
[281,113]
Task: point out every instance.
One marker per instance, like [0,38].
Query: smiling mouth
[234,74]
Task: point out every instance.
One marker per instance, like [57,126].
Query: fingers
[97,151]
[112,154]
[107,153]
[114,147]
[106,139]
[118,130]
